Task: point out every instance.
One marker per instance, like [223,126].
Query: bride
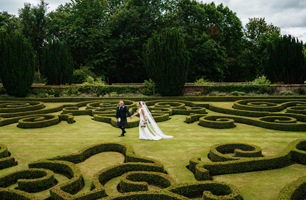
[148,129]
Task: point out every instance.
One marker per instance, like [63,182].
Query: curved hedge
[9,194]
[5,159]
[139,181]
[29,180]
[76,111]
[218,152]
[281,122]
[151,195]
[292,153]
[66,165]
[297,110]
[296,190]
[193,118]
[13,107]
[266,105]
[38,121]
[217,122]
[207,189]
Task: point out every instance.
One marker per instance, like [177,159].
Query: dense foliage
[284,60]
[34,26]
[16,63]
[166,61]
[57,63]
[107,36]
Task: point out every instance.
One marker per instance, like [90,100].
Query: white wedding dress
[151,131]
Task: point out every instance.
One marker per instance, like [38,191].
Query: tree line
[109,37]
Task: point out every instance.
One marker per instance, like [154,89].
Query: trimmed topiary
[16,64]
[166,61]
[57,63]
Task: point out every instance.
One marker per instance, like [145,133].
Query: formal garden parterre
[146,177]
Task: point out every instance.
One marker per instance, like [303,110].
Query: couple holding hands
[148,129]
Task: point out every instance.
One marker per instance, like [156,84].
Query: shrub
[262,80]
[266,89]
[201,81]
[102,90]
[16,64]
[237,93]
[73,90]
[150,89]
[2,89]
[286,93]
[80,75]
[54,92]
[214,93]
[301,91]
[38,78]
[231,87]
[166,61]
[94,81]
[193,94]
[57,63]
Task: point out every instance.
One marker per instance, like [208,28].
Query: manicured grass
[190,140]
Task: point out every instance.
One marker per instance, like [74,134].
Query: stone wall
[289,87]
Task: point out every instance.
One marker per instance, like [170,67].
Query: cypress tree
[57,63]
[284,60]
[166,61]
[16,64]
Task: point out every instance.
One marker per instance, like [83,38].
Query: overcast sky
[290,15]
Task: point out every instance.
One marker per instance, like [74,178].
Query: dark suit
[121,113]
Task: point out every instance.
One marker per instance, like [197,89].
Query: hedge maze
[138,172]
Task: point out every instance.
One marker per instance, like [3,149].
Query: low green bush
[300,91]
[237,93]
[228,88]
[262,80]
[201,81]
[286,93]
[149,89]
[102,90]
[80,75]
[266,89]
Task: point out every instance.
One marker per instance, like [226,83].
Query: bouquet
[143,124]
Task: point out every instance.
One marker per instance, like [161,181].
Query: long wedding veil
[152,126]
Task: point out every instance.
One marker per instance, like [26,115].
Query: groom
[121,116]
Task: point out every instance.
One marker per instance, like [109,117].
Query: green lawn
[190,140]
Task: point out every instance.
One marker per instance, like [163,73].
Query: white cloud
[289,15]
